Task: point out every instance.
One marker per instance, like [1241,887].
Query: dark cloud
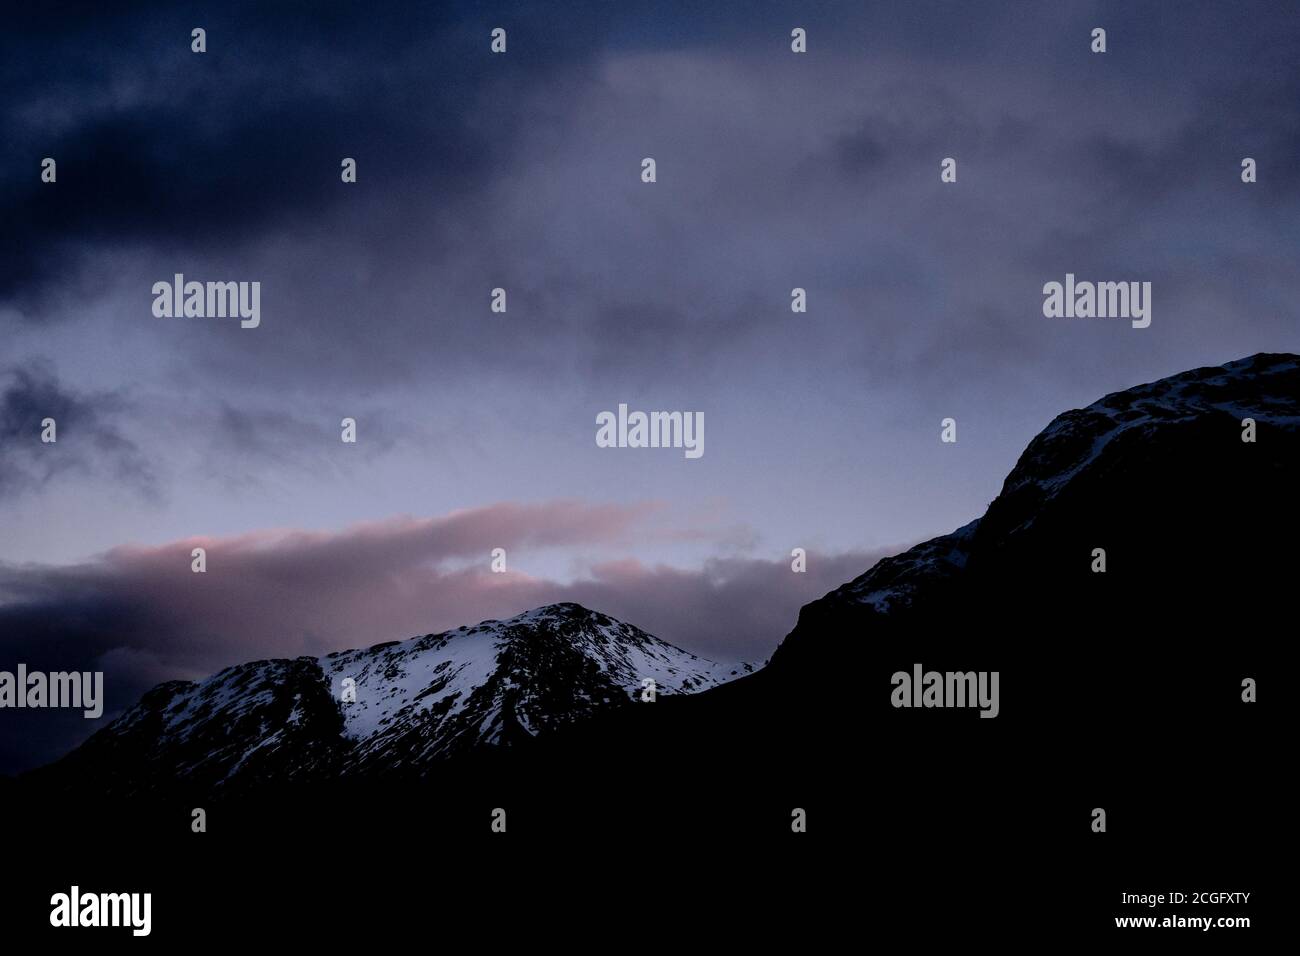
[519,170]
[732,609]
[246,441]
[88,442]
[163,148]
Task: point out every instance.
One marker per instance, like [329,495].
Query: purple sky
[477,429]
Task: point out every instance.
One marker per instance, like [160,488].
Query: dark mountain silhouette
[1198,527]
[1119,690]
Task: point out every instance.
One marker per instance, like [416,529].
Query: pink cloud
[286,592]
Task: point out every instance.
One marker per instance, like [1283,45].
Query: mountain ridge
[1067,488]
[396,707]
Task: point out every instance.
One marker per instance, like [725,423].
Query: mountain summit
[392,709]
[1127,586]
[1159,477]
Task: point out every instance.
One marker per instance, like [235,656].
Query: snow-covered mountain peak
[498,679]
[394,707]
[1259,386]
[1080,459]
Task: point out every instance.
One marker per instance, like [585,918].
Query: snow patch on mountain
[1077,439]
[895,582]
[413,703]
[443,691]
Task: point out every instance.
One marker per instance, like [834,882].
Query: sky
[522,170]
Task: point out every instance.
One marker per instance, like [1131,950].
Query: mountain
[1157,476]
[1113,682]
[416,702]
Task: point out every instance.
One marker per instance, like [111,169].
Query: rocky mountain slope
[392,709]
[1157,476]
[1109,679]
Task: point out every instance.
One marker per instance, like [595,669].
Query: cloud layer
[92,445]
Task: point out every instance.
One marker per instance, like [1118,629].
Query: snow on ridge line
[1122,411]
[396,677]
[892,579]
[398,683]
[382,690]
[902,572]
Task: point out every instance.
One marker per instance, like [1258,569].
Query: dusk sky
[522,170]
